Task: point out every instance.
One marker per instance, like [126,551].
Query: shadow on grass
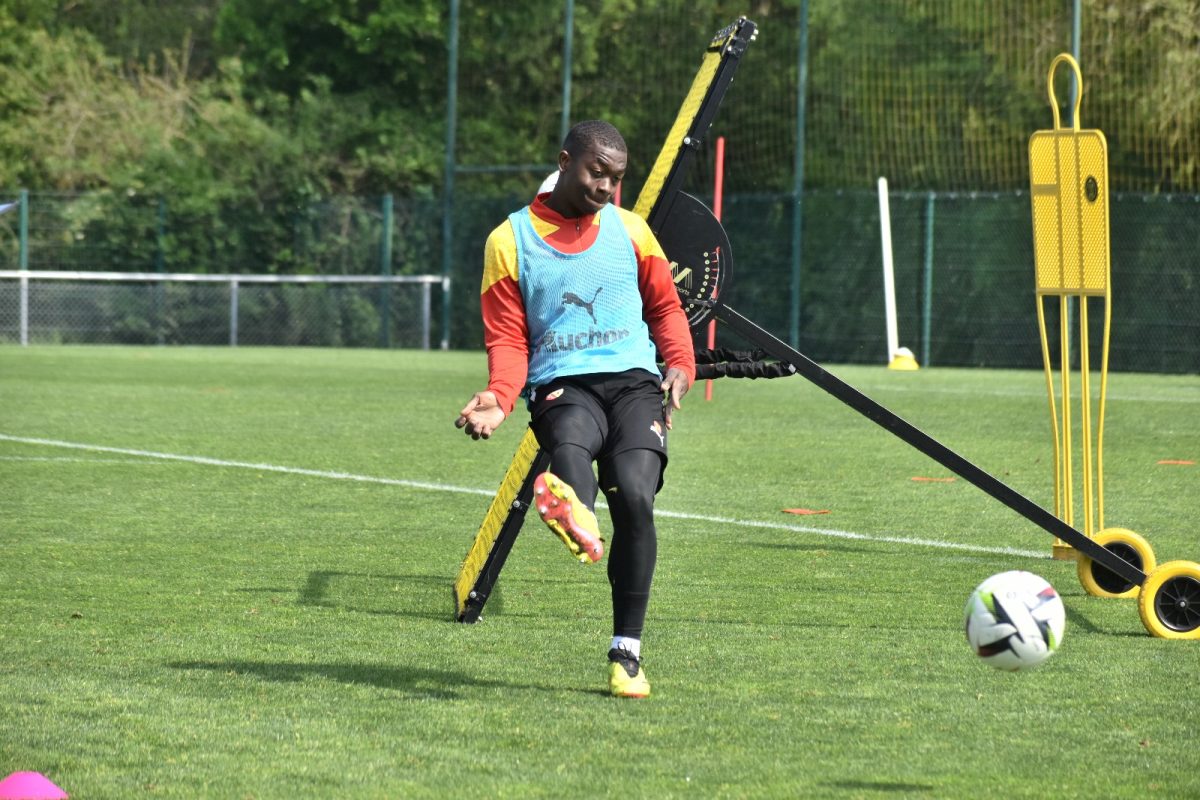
[426,596]
[429,597]
[415,681]
[317,587]
[1077,619]
[880,786]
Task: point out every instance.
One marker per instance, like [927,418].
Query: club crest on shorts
[557,393]
[657,429]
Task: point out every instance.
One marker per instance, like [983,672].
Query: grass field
[226,573]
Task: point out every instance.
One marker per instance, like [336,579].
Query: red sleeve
[664,315]
[506,336]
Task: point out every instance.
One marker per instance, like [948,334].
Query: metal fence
[185,308]
[963,270]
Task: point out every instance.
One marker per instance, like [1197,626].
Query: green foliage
[65,112]
[349,96]
[236,177]
[132,31]
[77,118]
[1143,59]
[941,101]
[397,46]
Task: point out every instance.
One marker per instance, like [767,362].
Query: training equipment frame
[670,214]
[1068,190]
[696,243]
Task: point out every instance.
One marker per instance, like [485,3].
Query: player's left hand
[675,385]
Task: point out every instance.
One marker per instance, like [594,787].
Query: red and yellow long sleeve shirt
[506,328]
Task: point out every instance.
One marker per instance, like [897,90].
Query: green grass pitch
[226,573]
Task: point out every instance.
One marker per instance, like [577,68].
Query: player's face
[588,180]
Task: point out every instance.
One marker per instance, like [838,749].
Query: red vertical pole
[617,196]
[718,190]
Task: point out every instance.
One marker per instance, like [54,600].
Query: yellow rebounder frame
[1068,174]
[490,547]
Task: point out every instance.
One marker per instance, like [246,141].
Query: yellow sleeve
[499,256]
[639,231]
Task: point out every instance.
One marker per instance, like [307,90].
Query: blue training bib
[584,310]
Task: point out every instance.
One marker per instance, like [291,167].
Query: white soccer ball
[1015,620]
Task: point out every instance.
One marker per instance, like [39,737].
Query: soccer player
[576,295]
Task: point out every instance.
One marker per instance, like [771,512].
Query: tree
[393,47]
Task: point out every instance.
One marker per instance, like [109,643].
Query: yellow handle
[1069,59]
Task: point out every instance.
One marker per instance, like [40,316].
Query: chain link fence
[963,267]
[146,308]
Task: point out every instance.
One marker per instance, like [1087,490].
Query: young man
[576,294]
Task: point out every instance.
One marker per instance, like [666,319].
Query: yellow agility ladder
[1068,176]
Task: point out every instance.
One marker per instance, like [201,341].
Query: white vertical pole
[889,278]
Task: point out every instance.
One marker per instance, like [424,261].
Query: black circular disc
[698,249]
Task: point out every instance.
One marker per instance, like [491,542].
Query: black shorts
[627,407]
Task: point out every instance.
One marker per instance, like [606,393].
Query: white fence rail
[146,312]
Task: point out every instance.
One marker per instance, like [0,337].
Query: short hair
[593,132]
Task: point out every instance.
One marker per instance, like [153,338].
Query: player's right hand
[480,417]
[674,386]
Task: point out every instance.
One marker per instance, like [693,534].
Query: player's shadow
[414,596]
[417,682]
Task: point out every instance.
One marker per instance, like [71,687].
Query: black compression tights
[630,480]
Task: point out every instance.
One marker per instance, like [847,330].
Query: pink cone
[30,786]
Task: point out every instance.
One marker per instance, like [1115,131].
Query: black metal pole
[926,444]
